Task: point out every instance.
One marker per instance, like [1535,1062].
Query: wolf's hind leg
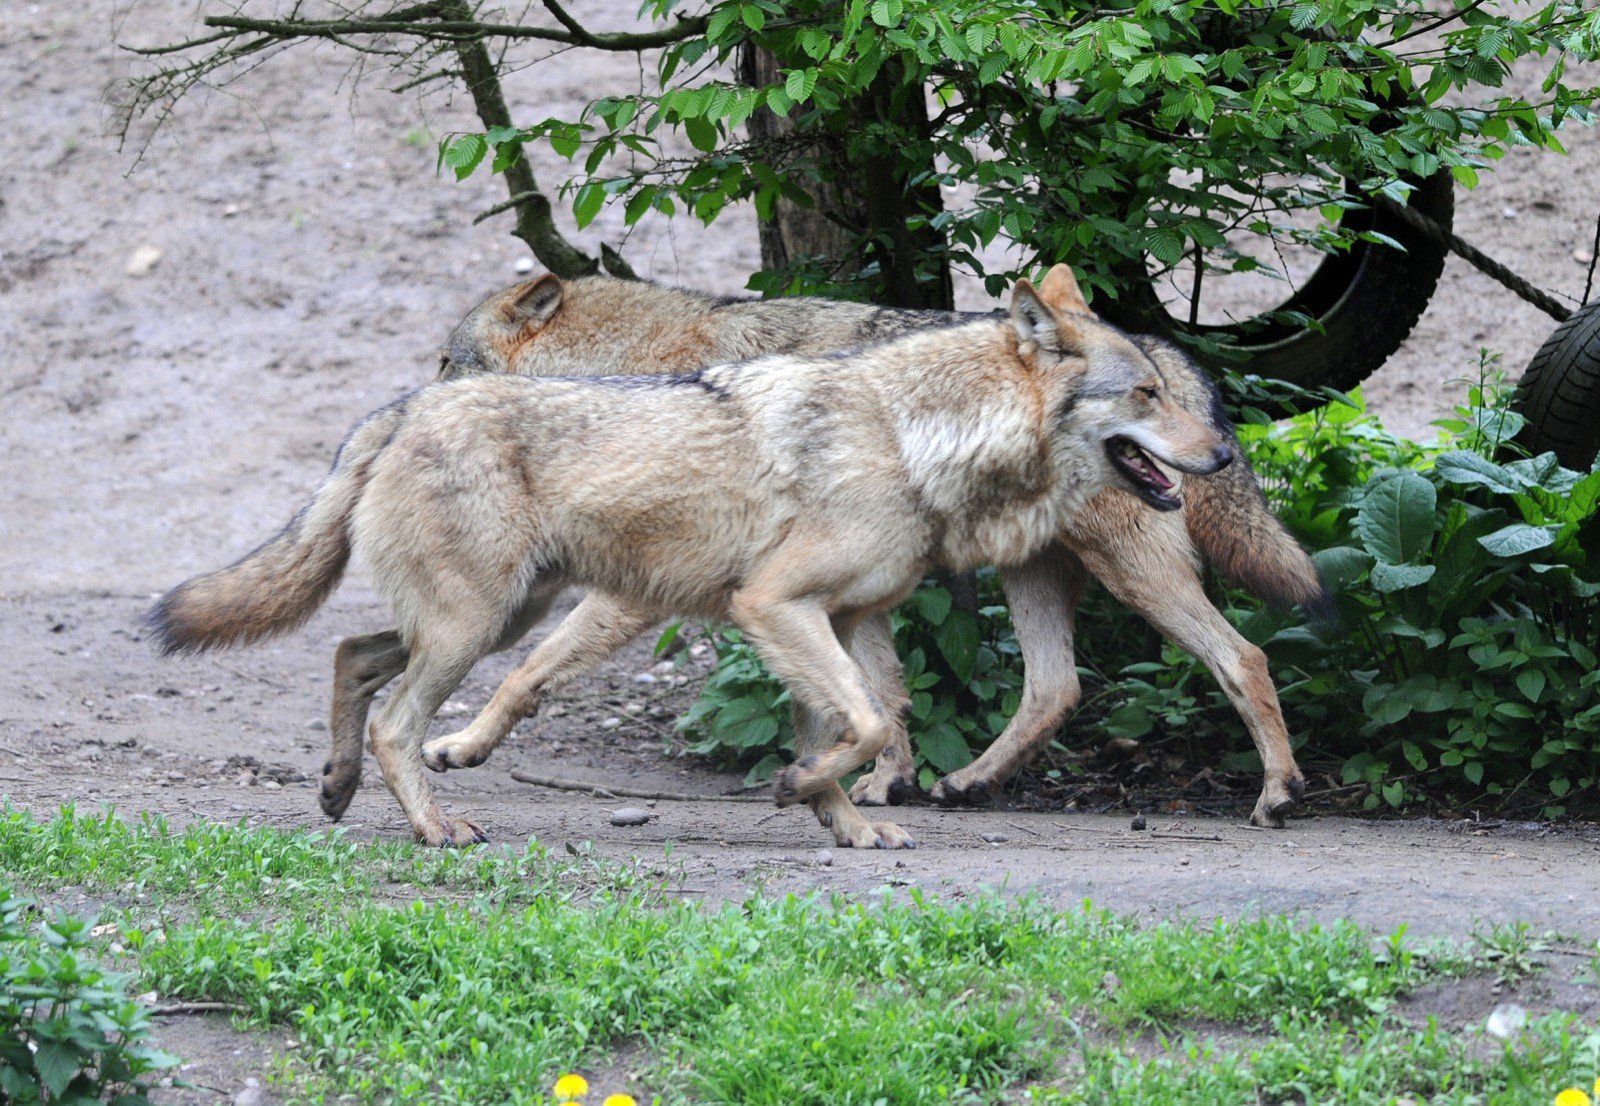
[800,646]
[893,778]
[439,661]
[362,665]
[596,628]
[1042,594]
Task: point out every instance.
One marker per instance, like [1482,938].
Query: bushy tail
[1227,516]
[281,584]
[1235,531]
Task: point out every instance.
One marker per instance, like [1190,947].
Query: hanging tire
[1559,394]
[1366,301]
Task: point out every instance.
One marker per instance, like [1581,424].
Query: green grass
[476,977]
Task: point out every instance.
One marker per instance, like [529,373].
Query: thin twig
[556,783]
[1186,836]
[1594,252]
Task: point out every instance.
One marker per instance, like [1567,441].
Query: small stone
[246,779]
[995,838]
[1138,822]
[175,776]
[644,678]
[523,265]
[630,816]
[1509,213]
[1582,257]
[142,260]
[271,785]
[1184,863]
[250,1095]
[230,211]
[1505,1019]
[1110,983]
[610,723]
[823,858]
[317,724]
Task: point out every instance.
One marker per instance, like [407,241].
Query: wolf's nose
[1221,458]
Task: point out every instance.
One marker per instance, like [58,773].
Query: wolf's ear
[535,302]
[1036,322]
[1059,289]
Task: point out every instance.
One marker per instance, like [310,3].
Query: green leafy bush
[1468,607]
[69,1034]
[1463,657]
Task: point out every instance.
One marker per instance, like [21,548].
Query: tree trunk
[867,203]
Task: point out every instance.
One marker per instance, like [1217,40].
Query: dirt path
[160,424]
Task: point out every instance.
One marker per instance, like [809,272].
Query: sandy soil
[160,424]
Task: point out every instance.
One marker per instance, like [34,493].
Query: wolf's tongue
[1147,468]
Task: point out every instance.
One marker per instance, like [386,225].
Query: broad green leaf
[1462,467]
[587,203]
[1342,565]
[1396,518]
[957,638]
[943,747]
[56,1062]
[1517,539]
[1531,682]
[1387,577]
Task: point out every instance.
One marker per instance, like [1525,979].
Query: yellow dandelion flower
[1574,1097]
[619,1100]
[573,1086]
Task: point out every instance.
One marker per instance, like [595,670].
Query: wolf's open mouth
[1140,470]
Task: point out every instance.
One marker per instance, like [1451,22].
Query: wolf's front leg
[596,628]
[797,641]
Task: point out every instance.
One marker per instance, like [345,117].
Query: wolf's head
[1110,393]
[492,335]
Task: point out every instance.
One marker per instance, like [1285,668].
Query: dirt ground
[161,421]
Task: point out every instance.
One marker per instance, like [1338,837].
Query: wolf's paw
[453,751]
[961,789]
[452,833]
[883,787]
[339,783]
[798,781]
[1278,798]
[863,834]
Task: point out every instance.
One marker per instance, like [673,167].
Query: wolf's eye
[1150,393]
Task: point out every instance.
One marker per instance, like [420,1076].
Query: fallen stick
[172,1008]
[555,783]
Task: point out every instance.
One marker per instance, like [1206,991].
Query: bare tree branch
[421,21]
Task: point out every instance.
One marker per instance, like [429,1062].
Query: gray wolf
[793,497]
[1146,559]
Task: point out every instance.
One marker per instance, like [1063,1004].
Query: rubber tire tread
[1559,393]
[1380,306]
